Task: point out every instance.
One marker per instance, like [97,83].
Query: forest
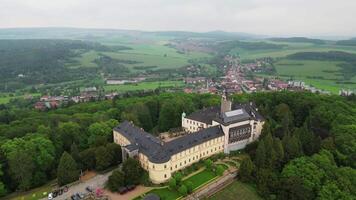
[307,149]
[43,61]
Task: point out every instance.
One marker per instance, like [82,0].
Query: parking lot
[97,181]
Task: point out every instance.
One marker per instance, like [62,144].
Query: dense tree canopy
[303,131]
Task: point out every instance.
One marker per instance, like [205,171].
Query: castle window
[165,175]
[171,168]
[180,164]
[153,166]
[165,166]
[176,166]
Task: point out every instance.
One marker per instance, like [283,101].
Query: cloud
[271,17]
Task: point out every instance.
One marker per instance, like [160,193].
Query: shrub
[189,185]
[219,170]
[208,163]
[183,190]
[178,177]
[172,183]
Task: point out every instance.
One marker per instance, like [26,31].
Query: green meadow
[290,48]
[143,86]
[237,191]
[152,53]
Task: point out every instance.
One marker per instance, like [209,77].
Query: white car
[50,196]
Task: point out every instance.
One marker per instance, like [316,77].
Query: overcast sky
[268,17]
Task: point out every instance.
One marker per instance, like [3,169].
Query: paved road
[97,181]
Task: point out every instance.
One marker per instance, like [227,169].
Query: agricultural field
[290,48]
[320,74]
[237,191]
[143,86]
[145,54]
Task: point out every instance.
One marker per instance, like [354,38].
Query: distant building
[196,80]
[210,131]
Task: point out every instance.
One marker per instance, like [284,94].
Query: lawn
[34,194]
[200,178]
[143,86]
[237,191]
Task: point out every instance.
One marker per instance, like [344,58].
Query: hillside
[298,40]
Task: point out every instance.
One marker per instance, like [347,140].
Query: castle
[209,131]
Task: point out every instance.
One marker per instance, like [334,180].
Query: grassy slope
[290,49]
[237,191]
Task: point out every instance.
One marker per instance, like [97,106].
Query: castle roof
[158,151]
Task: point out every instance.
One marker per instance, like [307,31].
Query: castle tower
[225,103]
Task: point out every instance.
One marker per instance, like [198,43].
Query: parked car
[123,190]
[50,196]
[89,189]
[131,187]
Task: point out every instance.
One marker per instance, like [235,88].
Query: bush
[208,163]
[178,177]
[183,190]
[219,170]
[172,183]
[189,185]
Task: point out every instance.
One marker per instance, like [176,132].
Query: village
[237,78]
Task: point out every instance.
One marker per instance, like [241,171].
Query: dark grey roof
[147,143]
[132,147]
[157,153]
[205,115]
[187,141]
[151,196]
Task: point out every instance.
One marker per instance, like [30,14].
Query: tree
[260,159]
[3,190]
[116,180]
[21,167]
[278,148]
[69,133]
[87,158]
[292,188]
[246,169]
[189,185]
[292,148]
[74,152]
[172,183]
[270,152]
[67,171]
[103,158]
[132,170]
[115,151]
[208,163]
[183,190]
[99,131]
[307,171]
[178,177]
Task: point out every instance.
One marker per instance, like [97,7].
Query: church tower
[225,103]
